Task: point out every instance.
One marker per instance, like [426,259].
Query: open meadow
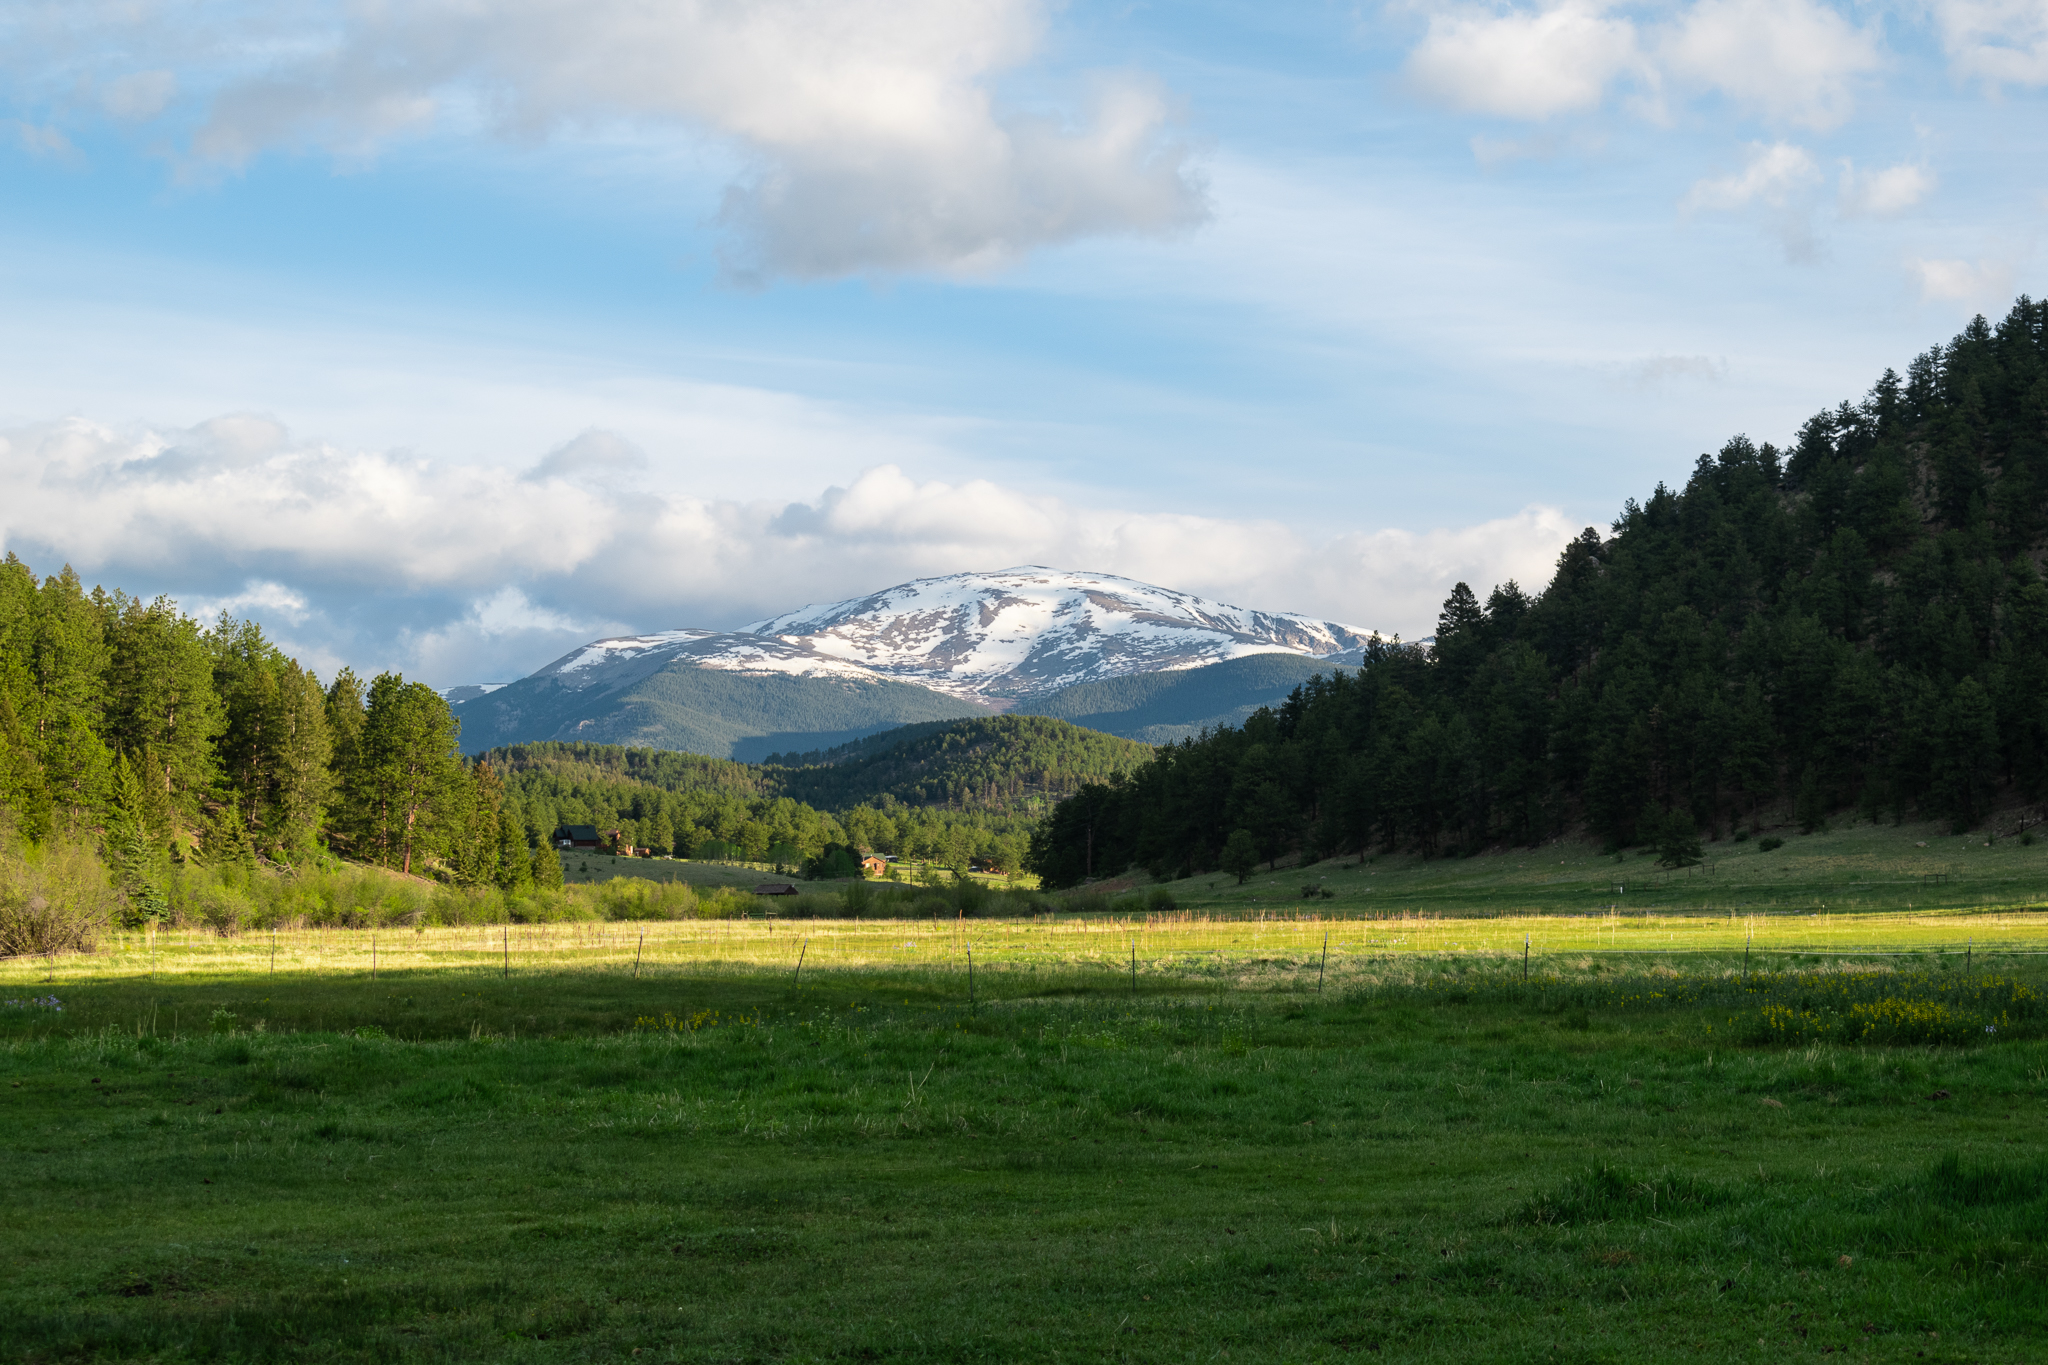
[1182,1139]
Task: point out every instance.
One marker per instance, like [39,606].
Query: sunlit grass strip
[1163,943]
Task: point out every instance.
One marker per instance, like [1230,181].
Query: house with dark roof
[576,837]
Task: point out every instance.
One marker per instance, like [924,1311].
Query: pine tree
[515,863]
[67,658]
[1677,837]
[404,781]
[1240,854]
[477,845]
[344,704]
[136,850]
[162,710]
[547,867]
[1810,808]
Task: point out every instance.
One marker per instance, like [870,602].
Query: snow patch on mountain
[604,660]
[989,638]
[1030,630]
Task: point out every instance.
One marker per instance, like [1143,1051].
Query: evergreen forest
[1854,626]
[166,744]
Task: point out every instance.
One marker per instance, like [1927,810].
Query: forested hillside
[166,740]
[1159,708]
[947,791]
[1854,625]
[1006,764]
[675,704]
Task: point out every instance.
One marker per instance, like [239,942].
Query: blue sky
[445,336]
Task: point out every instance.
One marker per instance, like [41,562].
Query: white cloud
[871,134]
[1880,194]
[466,573]
[1996,42]
[270,602]
[1523,64]
[1775,173]
[1795,61]
[1971,282]
[1778,184]
[1792,61]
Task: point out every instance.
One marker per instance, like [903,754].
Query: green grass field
[1189,1138]
[1853,867]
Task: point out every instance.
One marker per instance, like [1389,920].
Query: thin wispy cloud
[1996,43]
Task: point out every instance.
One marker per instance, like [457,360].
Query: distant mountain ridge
[929,650]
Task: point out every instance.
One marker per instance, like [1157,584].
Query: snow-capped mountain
[990,638]
[1027,631]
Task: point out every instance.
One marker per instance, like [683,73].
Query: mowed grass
[513,1144]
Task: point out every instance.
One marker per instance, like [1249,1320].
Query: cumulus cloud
[1777,181]
[1775,173]
[870,132]
[1995,42]
[1524,64]
[1880,194]
[1792,61]
[471,573]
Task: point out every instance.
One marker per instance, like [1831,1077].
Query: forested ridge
[948,790]
[1003,764]
[1855,624]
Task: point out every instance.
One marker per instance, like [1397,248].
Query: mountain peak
[1030,630]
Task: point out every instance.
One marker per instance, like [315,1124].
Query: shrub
[808,905]
[970,897]
[1769,843]
[1160,901]
[54,896]
[224,909]
[625,898]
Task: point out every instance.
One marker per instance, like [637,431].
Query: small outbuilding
[576,837]
[873,866]
[775,889]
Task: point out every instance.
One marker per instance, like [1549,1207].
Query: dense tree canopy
[1856,622]
[178,741]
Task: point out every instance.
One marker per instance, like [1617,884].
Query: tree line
[179,742]
[1855,623]
[716,808]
